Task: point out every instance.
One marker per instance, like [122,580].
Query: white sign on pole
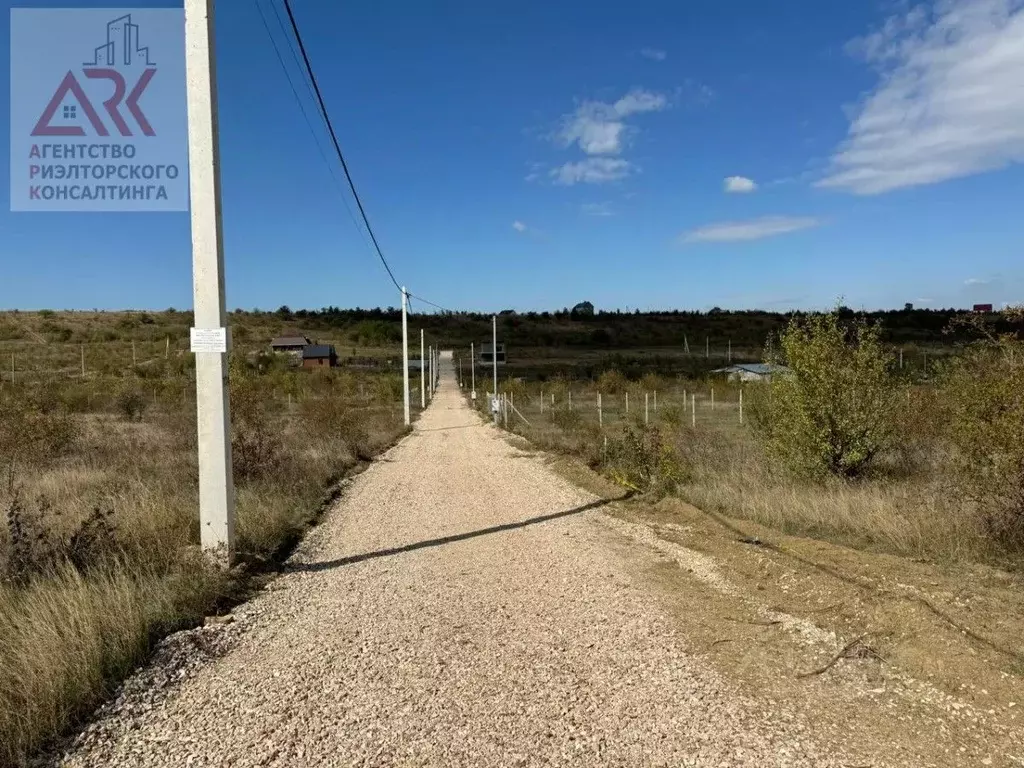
[209,340]
[473,396]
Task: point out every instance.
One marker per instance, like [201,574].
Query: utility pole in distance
[213,412]
[405,352]
[423,375]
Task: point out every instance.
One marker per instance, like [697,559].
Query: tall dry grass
[99,550]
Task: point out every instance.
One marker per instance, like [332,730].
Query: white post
[712,398]
[430,371]
[542,401]
[627,403]
[213,410]
[423,374]
[647,412]
[494,349]
[134,359]
[693,410]
[167,348]
[600,414]
[405,353]
[570,399]
[472,367]
[741,405]
[552,398]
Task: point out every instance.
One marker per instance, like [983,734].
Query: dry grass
[905,508]
[98,557]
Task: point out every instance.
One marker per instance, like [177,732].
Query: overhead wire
[334,140]
[302,108]
[313,89]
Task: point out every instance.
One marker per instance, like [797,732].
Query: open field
[99,550]
[909,502]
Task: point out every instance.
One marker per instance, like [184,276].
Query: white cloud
[976,281]
[752,229]
[599,128]
[593,170]
[654,54]
[518,226]
[739,184]
[597,209]
[949,103]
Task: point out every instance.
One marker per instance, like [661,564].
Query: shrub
[256,449]
[834,412]
[34,428]
[643,461]
[611,383]
[131,403]
[984,394]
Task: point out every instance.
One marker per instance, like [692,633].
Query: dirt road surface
[461,606]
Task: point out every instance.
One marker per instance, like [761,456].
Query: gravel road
[459,607]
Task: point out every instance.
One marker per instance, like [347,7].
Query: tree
[834,410]
[983,391]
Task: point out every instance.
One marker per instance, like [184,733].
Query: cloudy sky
[649,154]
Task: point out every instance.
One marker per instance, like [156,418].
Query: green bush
[643,461]
[983,391]
[834,412]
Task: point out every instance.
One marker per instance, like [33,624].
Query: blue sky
[642,155]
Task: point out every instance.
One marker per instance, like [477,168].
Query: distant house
[583,309]
[982,307]
[751,371]
[319,356]
[290,344]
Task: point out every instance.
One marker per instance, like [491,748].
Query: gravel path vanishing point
[459,607]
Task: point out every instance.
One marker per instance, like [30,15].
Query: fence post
[570,399]
[627,403]
[542,401]
[693,412]
[647,412]
[712,398]
[600,414]
[741,405]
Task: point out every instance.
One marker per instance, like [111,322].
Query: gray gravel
[409,632]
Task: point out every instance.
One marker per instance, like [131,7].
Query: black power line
[302,107]
[334,139]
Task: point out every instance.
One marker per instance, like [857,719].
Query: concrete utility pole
[405,351]
[494,351]
[423,374]
[213,412]
[472,368]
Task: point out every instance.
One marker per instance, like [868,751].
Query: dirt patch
[920,662]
